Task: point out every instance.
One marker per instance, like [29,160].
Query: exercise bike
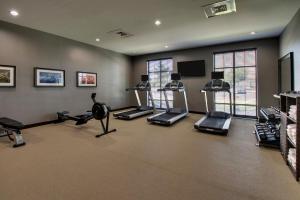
[100,111]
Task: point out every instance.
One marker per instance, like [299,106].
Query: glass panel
[220,97]
[227,108]
[165,78]
[239,59]
[169,95]
[154,80]
[228,77]
[219,61]
[219,107]
[228,60]
[157,103]
[167,65]
[251,111]
[159,75]
[154,66]
[240,89]
[250,85]
[155,93]
[223,107]
[250,58]
[240,110]
[164,105]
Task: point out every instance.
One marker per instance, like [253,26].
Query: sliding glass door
[240,71]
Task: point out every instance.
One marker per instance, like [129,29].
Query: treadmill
[215,121]
[143,86]
[171,115]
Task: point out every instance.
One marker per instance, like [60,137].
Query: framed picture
[44,77]
[86,79]
[7,76]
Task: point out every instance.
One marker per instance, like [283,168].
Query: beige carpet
[143,162]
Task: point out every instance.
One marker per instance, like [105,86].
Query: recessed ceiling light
[157,22]
[166,46]
[253,33]
[14,13]
[97,39]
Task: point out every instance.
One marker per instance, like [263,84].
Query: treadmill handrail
[206,103]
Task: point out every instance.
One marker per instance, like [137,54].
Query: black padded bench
[12,127]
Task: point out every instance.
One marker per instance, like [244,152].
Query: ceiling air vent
[219,8]
[120,33]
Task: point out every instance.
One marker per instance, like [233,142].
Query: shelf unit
[286,100]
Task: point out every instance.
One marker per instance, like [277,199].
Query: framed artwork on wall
[44,77]
[86,79]
[7,76]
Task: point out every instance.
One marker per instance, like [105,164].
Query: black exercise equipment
[171,115]
[12,129]
[80,119]
[143,86]
[100,111]
[215,121]
[267,131]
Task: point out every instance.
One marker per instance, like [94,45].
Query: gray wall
[290,42]
[26,48]
[267,56]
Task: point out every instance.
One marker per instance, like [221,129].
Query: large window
[159,72]
[240,71]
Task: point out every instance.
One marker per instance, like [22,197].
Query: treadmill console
[144,84]
[175,84]
[217,85]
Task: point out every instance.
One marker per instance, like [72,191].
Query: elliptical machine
[99,111]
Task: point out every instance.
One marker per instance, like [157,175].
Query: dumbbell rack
[268,133]
[286,100]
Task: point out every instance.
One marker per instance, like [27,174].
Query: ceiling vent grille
[120,33]
[219,8]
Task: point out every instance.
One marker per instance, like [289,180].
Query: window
[240,71]
[159,72]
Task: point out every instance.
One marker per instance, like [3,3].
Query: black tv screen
[191,68]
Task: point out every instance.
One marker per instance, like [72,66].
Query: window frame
[160,80]
[234,104]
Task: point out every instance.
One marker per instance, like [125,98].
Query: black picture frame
[14,74]
[87,85]
[36,81]
[289,56]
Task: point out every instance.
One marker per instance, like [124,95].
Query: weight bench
[12,129]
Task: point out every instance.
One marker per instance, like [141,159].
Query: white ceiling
[184,24]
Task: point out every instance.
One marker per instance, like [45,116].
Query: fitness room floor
[142,161]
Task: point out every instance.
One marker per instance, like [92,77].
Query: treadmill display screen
[217,75]
[175,77]
[144,78]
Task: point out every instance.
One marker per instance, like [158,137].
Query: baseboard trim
[55,121]
[39,124]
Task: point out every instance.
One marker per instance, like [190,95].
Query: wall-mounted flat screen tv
[191,68]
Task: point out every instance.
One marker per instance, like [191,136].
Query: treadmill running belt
[216,123]
[165,116]
[130,112]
